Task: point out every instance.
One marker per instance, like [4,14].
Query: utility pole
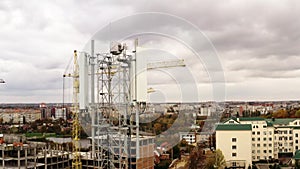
[93,96]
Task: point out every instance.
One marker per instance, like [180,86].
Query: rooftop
[233,127]
[251,119]
[278,121]
[270,122]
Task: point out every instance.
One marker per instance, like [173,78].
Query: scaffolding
[114,114]
[112,127]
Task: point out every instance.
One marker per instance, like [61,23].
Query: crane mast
[76,163]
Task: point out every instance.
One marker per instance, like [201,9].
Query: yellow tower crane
[76,163]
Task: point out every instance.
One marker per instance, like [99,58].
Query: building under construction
[17,153]
[109,94]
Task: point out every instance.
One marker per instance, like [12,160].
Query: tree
[297,114]
[217,161]
[281,114]
[297,165]
[157,128]
[183,143]
[196,158]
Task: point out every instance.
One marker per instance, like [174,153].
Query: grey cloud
[254,39]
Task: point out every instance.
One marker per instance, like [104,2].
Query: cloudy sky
[256,42]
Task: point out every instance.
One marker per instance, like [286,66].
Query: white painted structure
[234,140]
[269,138]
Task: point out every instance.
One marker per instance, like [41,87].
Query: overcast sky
[257,44]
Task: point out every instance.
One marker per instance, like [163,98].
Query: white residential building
[269,139]
[234,140]
[190,137]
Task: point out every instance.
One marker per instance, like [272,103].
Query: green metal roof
[233,127]
[269,124]
[283,121]
[252,119]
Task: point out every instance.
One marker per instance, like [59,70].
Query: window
[233,164]
[258,157]
[270,132]
[270,145]
[265,139]
[270,138]
[265,151]
[296,141]
[265,133]
[258,133]
[253,151]
[233,147]
[253,139]
[233,139]
[258,151]
[291,138]
[253,132]
[258,145]
[265,145]
[270,151]
[264,126]
[290,132]
[296,135]
[258,139]
[233,154]
[296,147]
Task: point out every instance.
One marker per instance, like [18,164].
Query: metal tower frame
[76,163]
[112,129]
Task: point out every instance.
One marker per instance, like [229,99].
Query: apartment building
[269,139]
[234,140]
[190,137]
[19,116]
